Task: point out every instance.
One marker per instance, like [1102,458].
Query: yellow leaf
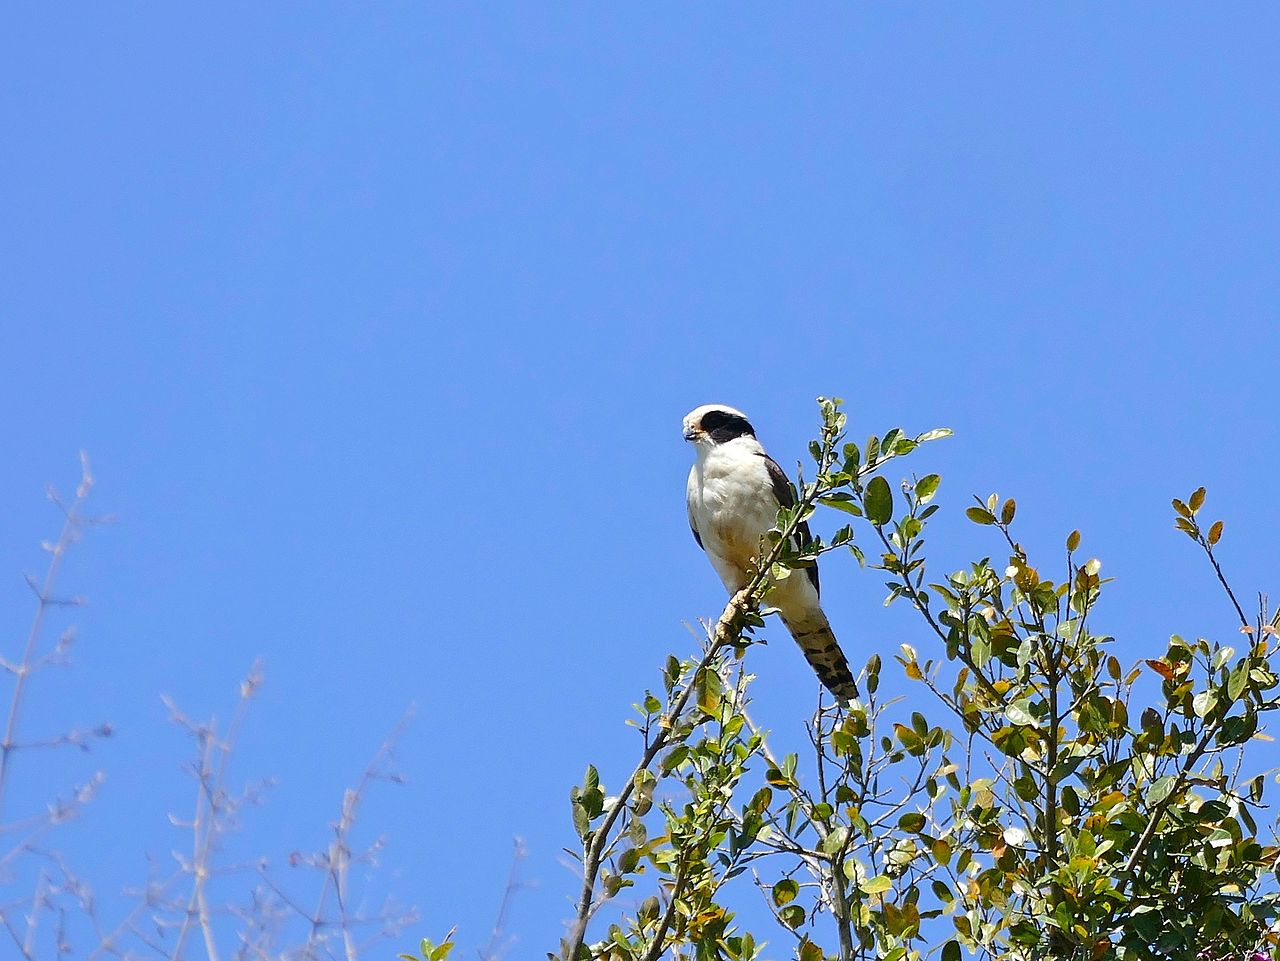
[1197,500]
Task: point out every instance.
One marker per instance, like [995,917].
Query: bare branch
[498,941]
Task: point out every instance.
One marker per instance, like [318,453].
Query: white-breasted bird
[735,490]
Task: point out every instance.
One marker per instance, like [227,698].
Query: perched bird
[735,490]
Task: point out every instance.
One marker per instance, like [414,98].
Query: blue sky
[378,325]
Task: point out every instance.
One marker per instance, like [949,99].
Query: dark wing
[782,491]
[695,532]
[694,529]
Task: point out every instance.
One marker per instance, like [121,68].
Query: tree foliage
[1052,802]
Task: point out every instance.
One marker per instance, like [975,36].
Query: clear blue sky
[378,323]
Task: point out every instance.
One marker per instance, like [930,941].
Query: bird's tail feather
[813,633]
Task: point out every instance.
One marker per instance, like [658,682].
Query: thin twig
[1217,569]
[44,594]
[493,950]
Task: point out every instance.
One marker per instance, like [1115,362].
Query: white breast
[731,505]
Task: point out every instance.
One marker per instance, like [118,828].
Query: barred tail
[812,632]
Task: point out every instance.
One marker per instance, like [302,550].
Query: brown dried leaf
[1161,668]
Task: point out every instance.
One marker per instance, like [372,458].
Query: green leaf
[1204,702]
[1160,789]
[877,885]
[841,503]
[1008,510]
[1256,787]
[628,860]
[936,434]
[1237,680]
[672,671]
[926,487]
[912,821]
[710,692]
[1019,713]
[1215,533]
[835,841]
[951,951]
[581,823]
[1073,540]
[908,738]
[785,891]
[879,501]
[792,916]
[980,515]
[1070,800]
[675,757]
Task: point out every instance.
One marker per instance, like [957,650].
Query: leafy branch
[1066,815]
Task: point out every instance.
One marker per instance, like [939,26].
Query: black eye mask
[723,426]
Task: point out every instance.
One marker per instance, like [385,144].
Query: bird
[734,492]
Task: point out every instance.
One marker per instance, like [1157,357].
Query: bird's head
[714,424]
